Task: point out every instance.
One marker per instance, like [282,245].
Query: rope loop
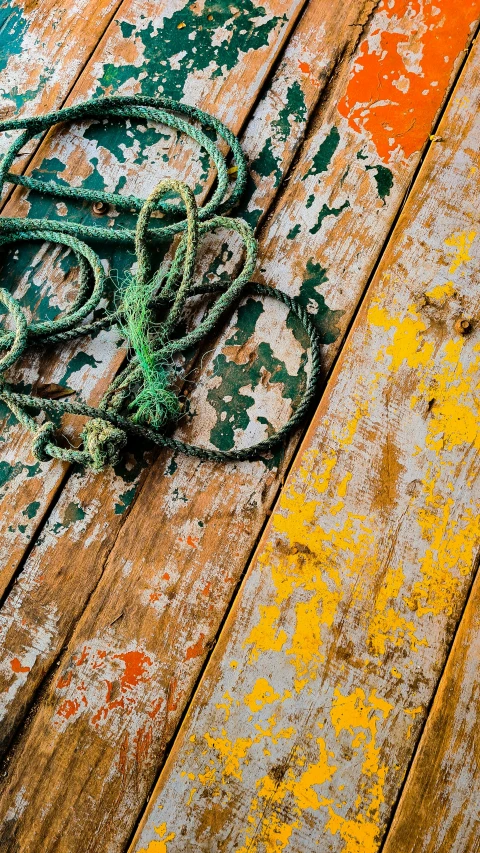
[103,442]
[141,400]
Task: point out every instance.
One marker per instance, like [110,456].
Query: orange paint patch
[401,74]
[17,666]
[68,708]
[136,664]
[64,680]
[197,648]
[192,542]
[304,66]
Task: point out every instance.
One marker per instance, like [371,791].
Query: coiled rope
[141,400]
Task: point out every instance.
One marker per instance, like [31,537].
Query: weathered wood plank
[307,715]
[43,48]
[152,611]
[439,811]
[148,50]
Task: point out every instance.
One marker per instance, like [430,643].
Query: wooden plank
[136,623]
[442,791]
[148,50]
[307,715]
[43,48]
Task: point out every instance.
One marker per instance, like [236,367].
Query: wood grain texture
[308,713]
[175,565]
[43,48]
[439,811]
[150,50]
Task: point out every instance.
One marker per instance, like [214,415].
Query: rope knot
[43,436]
[103,442]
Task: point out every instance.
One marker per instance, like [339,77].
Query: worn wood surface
[308,713]
[166,588]
[43,48]
[149,50]
[440,807]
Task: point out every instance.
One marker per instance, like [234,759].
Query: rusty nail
[462,326]
[99,208]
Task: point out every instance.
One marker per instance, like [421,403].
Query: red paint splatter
[398,81]
[83,657]
[172,702]
[197,648]
[143,742]
[17,666]
[304,66]
[68,708]
[136,663]
[192,542]
[64,680]
[155,708]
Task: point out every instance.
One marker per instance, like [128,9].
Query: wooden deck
[279,655]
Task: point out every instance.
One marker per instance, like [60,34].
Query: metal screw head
[462,326]
[99,208]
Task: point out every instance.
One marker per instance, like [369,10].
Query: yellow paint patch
[264,636]
[460,241]
[354,714]
[441,292]
[261,695]
[407,344]
[161,845]
[387,626]
[294,794]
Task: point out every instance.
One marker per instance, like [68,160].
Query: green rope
[141,400]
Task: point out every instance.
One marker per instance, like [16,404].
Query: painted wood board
[212,485]
[145,49]
[442,791]
[43,48]
[306,718]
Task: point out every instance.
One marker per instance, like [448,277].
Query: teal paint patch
[13,27]
[208,37]
[361,155]
[125,501]
[295,110]
[230,405]
[310,200]
[22,528]
[383,179]
[310,298]
[294,231]
[32,509]
[265,164]
[323,157]
[78,362]
[328,211]
[171,467]
[72,514]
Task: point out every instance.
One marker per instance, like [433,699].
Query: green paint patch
[295,110]
[125,500]
[210,37]
[328,211]
[266,163]
[231,405]
[323,157]
[293,231]
[383,179]
[78,362]
[32,509]
[312,299]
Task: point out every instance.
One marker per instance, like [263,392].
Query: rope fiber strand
[141,400]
